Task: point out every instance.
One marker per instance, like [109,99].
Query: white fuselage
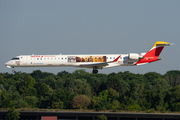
[69,60]
[99,61]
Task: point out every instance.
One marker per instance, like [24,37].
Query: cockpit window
[15,59]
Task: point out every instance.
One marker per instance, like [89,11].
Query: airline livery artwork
[87,59]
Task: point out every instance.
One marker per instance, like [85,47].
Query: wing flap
[95,64]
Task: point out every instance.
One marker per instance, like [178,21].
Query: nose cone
[8,64]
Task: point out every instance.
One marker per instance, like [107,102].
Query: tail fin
[153,54]
[156,49]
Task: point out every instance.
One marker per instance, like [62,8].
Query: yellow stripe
[161,43]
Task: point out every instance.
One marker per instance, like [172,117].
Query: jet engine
[134,56]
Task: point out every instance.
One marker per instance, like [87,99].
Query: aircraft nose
[6,64]
[9,63]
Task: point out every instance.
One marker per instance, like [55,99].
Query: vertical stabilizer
[156,49]
[153,54]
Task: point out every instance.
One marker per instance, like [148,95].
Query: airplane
[94,61]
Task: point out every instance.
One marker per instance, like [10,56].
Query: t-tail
[153,54]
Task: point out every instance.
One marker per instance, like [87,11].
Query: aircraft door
[25,60]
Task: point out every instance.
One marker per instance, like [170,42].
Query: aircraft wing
[99,65]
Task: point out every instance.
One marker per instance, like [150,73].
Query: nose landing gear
[13,70]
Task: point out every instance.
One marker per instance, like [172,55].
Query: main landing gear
[95,71]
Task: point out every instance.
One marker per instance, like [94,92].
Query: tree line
[82,90]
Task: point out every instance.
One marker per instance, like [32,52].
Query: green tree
[101,117]
[41,88]
[31,101]
[121,86]
[173,77]
[27,88]
[81,87]
[134,107]
[20,103]
[97,104]
[37,74]
[175,98]
[6,98]
[63,74]
[102,101]
[150,76]
[57,105]
[63,96]
[96,87]
[160,87]
[137,93]
[113,94]
[12,114]
[115,105]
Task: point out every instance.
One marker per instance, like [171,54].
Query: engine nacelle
[135,56]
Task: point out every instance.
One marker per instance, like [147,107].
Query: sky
[90,27]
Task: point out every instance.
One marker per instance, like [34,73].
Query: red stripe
[117,59]
[147,60]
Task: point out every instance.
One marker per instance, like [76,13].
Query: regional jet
[94,61]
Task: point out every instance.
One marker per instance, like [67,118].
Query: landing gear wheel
[95,71]
[13,70]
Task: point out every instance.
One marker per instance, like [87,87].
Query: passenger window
[37,58]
